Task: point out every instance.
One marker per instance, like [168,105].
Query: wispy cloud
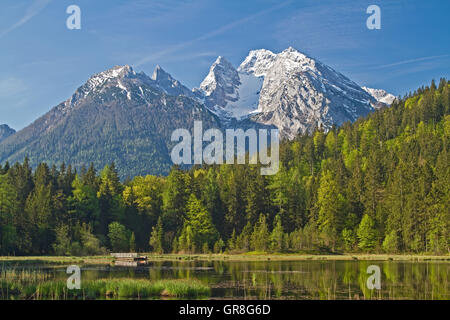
[399,63]
[190,56]
[154,9]
[208,35]
[323,27]
[11,86]
[336,27]
[36,7]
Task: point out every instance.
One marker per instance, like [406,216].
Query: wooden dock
[129,259]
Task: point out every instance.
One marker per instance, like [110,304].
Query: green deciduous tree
[119,237]
[367,235]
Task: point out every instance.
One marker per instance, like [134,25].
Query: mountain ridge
[289,89]
[5,131]
[380,95]
[128,117]
[117,115]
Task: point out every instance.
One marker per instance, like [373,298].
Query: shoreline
[102,260]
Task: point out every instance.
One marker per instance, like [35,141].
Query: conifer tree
[156,237]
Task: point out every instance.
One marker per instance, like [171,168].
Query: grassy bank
[56,260]
[104,288]
[251,256]
[258,256]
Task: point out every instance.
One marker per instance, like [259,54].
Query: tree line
[380,184]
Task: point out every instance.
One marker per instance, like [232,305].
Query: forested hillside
[380,184]
[102,122]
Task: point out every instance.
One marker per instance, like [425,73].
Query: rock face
[117,115]
[169,85]
[300,93]
[290,90]
[380,95]
[258,62]
[220,87]
[5,131]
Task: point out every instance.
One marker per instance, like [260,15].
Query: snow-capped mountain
[289,90]
[220,88]
[130,84]
[116,115]
[127,117]
[258,62]
[232,93]
[381,95]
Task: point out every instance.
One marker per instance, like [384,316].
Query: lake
[277,279]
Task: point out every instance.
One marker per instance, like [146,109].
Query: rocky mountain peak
[113,75]
[112,110]
[129,83]
[160,74]
[222,67]
[222,76]
[115,72]
[290,90]
[380,95]
[6,131]
[222,61]
[166,83]
[257,62]
[293,60]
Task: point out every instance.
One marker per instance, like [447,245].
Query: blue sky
[42,62]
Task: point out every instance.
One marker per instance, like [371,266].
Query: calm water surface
[289,279]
